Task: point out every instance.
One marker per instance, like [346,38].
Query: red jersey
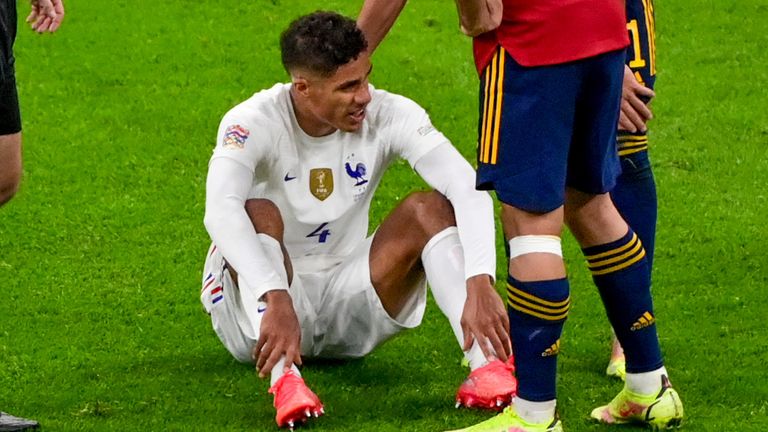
[547,32]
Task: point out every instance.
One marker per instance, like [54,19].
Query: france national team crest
[358,174]
[235,136]
[321,182]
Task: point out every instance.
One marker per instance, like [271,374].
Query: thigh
[526,120]
[593,162]
[351,320]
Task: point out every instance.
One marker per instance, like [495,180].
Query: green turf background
[100,253]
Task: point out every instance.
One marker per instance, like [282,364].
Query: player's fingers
[262,359]
[645,92]
[38,24]
[292,356]
[486,346]
[641,108]
[638,120]
[42,23]
[274,357]
[505,324]
[468,337]
[47,24]
[55,25]
[56,21]
[625,124]
[32,15]
[633,116]
[259,352]
[503,349]
[259,346]
[503,333]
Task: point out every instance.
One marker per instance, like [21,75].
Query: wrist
[479,281]
[275,295]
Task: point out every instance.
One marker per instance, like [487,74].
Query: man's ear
[300,85]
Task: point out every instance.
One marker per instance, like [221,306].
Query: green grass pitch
[101,251]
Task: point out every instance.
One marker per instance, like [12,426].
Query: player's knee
[528,244]
[430,211]
[535,258]
[265,216]
[594,220]
[9,185]
[583,209]
[517,222]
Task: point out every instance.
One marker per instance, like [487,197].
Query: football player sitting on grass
[292,271]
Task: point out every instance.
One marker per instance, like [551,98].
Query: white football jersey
[322,186]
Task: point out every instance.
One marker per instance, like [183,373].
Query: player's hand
[635,112]
[479,16]
[280,334]
[485,319]
[46,15]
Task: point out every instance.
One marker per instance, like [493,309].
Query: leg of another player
[635,199]
[616,258]
[10,166]
[538,304]
[619,267]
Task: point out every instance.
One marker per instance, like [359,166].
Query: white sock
[535,412]
[645,383]
[278,372]
[443,260]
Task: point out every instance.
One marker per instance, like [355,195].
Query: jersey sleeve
[444,169]
[242,138]
[409,129]
[231,229]
[242,144]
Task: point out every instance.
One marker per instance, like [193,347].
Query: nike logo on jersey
[261,309]
[288,177]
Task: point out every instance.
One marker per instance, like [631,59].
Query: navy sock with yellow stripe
[635,192]
[620,271]
[537,311]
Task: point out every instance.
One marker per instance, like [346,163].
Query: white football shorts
[339,311]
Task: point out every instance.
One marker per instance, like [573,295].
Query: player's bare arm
[485,319]
[635,112]
[376,19]
[280,334]
[479,16]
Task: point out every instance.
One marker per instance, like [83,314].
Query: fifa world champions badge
[235,136]
[321,182]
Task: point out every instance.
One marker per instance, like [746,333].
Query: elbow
[478,28]
[212,221]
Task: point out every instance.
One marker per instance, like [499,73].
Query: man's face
[337,101]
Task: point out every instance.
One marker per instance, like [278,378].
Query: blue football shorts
[546,128]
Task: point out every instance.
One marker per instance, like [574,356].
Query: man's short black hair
[321,42]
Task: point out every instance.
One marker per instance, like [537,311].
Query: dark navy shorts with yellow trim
[544,128]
